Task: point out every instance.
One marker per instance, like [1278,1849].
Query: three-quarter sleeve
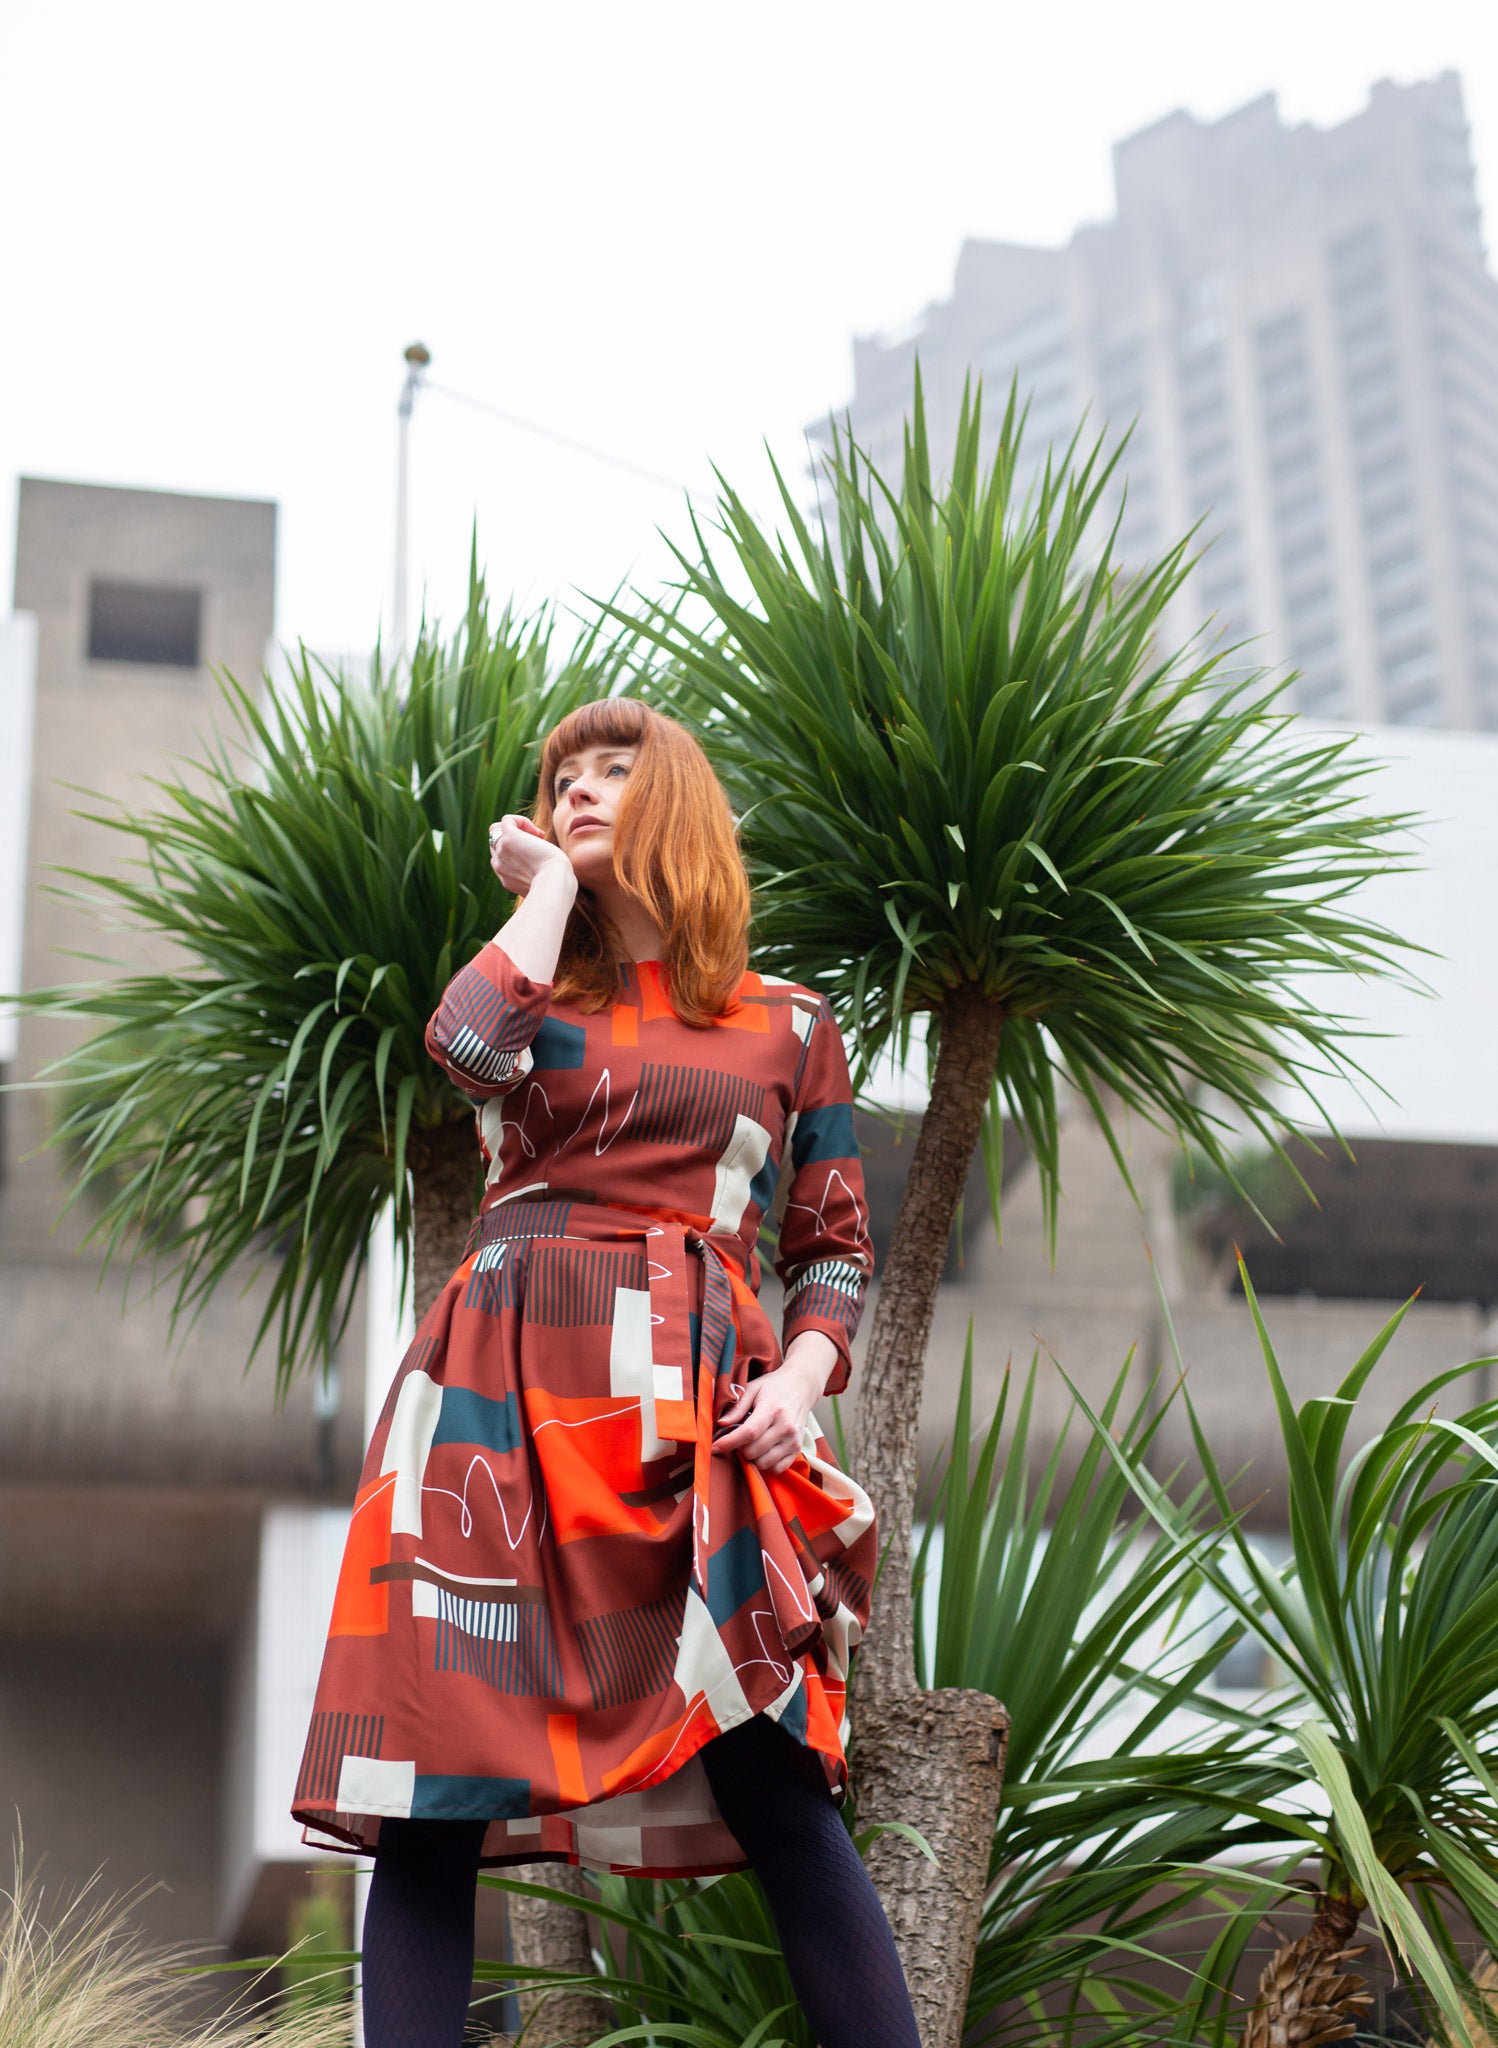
[483,1027]
[824,1257]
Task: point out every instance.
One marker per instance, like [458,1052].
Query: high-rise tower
[1303,324]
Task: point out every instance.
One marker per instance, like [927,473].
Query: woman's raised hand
[520,852]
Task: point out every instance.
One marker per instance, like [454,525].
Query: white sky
[654,226]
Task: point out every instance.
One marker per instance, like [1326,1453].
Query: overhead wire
[560,440]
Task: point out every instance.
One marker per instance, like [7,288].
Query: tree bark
[444,1192]
[555,1937]
[935,1759]
[444,1198]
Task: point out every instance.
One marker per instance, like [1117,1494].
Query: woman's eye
[562,786]
[620,768]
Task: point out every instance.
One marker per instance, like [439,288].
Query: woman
[603,1579]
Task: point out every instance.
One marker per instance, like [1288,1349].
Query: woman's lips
[585,825]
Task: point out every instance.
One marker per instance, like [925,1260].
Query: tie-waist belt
[667,1244]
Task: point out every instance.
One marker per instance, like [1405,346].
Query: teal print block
[470,1418]
[446,1798]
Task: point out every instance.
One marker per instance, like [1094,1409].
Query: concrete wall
[1080,1317]
[109,1754]
[105,728]
[134,1468]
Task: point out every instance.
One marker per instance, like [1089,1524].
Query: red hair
[676,853]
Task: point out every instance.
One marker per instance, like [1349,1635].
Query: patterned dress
[554,1592]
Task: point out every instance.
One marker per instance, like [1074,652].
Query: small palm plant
[977,793]
[1385,1622]
[1128,1791]
[317,880]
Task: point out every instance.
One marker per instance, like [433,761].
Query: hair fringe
[676,853]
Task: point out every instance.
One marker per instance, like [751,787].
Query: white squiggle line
[704,1698]
[860,1215]
[518,1123]
[759,1618]
[601,1143]
[466,1524]
[388,1480]
[808,1612]
[583,1422]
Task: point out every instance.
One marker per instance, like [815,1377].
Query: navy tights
[771,1792]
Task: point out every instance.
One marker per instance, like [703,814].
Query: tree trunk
[444,1165]
[554,1937]
[444,1190]
[932,1759]
[1307,1997]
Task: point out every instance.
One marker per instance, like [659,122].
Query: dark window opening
[144,622]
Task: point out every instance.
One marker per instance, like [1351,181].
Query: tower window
[144,622]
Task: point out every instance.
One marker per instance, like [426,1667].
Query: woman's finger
[746,1433]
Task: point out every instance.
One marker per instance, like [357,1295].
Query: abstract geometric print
[555,1591]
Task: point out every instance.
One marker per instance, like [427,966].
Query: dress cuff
[842,1370]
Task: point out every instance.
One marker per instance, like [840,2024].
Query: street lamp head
[418,355]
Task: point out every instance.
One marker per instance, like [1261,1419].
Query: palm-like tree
[318,880]
[976,791]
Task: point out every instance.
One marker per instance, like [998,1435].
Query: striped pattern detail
[842,1586]
[494,1283]
[331,1739]
[520,1219]
[510,1647]
[567,1288]
[632,1654]
[717,1340]
[468,1055]
[480,1035]
[692,1106]
[821,1015]
[830,1288]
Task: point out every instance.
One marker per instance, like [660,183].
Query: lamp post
[417,357]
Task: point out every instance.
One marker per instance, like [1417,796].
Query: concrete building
[1304,327]
[140,1479]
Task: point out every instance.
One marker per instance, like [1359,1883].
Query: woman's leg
[841,1956]
[417,1962]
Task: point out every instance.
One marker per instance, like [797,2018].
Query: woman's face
[585,800]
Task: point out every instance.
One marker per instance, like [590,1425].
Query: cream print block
[370,1784]
[703,1665]
[632,1368]
[408,1446]
[741,1161]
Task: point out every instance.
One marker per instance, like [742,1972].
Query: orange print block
[589,1453]
[821,1721]
[625,1021]
[360,1609]
[561,1733]
[676,1421]
[796,1495]
[655,1004]
[669,1747]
